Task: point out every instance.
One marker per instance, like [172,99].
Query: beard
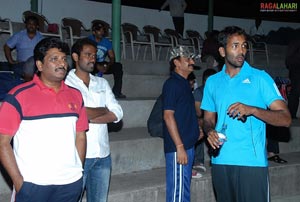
[232,61]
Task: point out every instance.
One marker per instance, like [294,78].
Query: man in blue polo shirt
[237,100]
[180,127]
[24,43]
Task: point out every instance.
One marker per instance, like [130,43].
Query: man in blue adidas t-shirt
[104,49]
[238,97]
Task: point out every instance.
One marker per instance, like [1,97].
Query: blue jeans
[96,178]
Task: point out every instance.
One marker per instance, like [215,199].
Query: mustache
[61,68]
[242,55]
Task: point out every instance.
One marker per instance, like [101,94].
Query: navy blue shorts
[30,192]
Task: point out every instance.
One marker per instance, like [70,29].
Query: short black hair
[31,18]
[228,32]
[97,26]
[78,45]
[45,44]
[207,73]
[172,64]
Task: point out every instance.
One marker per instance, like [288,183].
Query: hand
[18,184]
[201,135]
[239,110]
[13,62]
[213,139]
[181,155]
[102,67]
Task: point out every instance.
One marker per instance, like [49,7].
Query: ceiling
[226,8]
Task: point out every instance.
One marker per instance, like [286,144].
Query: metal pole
[34,5]
[116,28]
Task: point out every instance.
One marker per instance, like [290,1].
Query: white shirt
[98,94]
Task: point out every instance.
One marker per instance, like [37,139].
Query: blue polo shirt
[23,44]
[246,142]
[103,47]
[177,96]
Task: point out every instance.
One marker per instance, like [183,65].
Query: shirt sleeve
[10,117]
[269,89]
[208,102]
[13,40]
[82,122]
[112,104]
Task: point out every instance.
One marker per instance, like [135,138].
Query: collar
[177,76]
[244,70]
[42,86]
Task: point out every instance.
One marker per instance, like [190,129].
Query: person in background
[193,82]
[47,122]
[104,49]
[238,101]
[24,43]
[180,127]
[210,51]
[177,8]
[102,108]
[257,32]
[199,147]
[293,64]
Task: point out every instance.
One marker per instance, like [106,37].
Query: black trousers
[179,24]
[240,183]
[117,70]
[293,98]
[272,146]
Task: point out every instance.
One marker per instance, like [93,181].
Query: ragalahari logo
[278,7]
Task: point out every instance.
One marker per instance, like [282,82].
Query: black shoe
[277,159]
[120,96]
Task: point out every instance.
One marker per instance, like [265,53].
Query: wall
[86,11]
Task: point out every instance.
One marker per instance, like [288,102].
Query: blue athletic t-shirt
[103,47]
[246,142]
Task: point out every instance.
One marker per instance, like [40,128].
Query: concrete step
[286,199]
[126,143]
[294,143]
[133,149]
[140,86]
[136,112]
[144,79]
[150,185]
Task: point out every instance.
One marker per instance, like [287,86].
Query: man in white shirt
[102,108]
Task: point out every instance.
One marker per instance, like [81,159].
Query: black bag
[155,120]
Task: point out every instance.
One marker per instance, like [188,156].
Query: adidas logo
[246,81]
